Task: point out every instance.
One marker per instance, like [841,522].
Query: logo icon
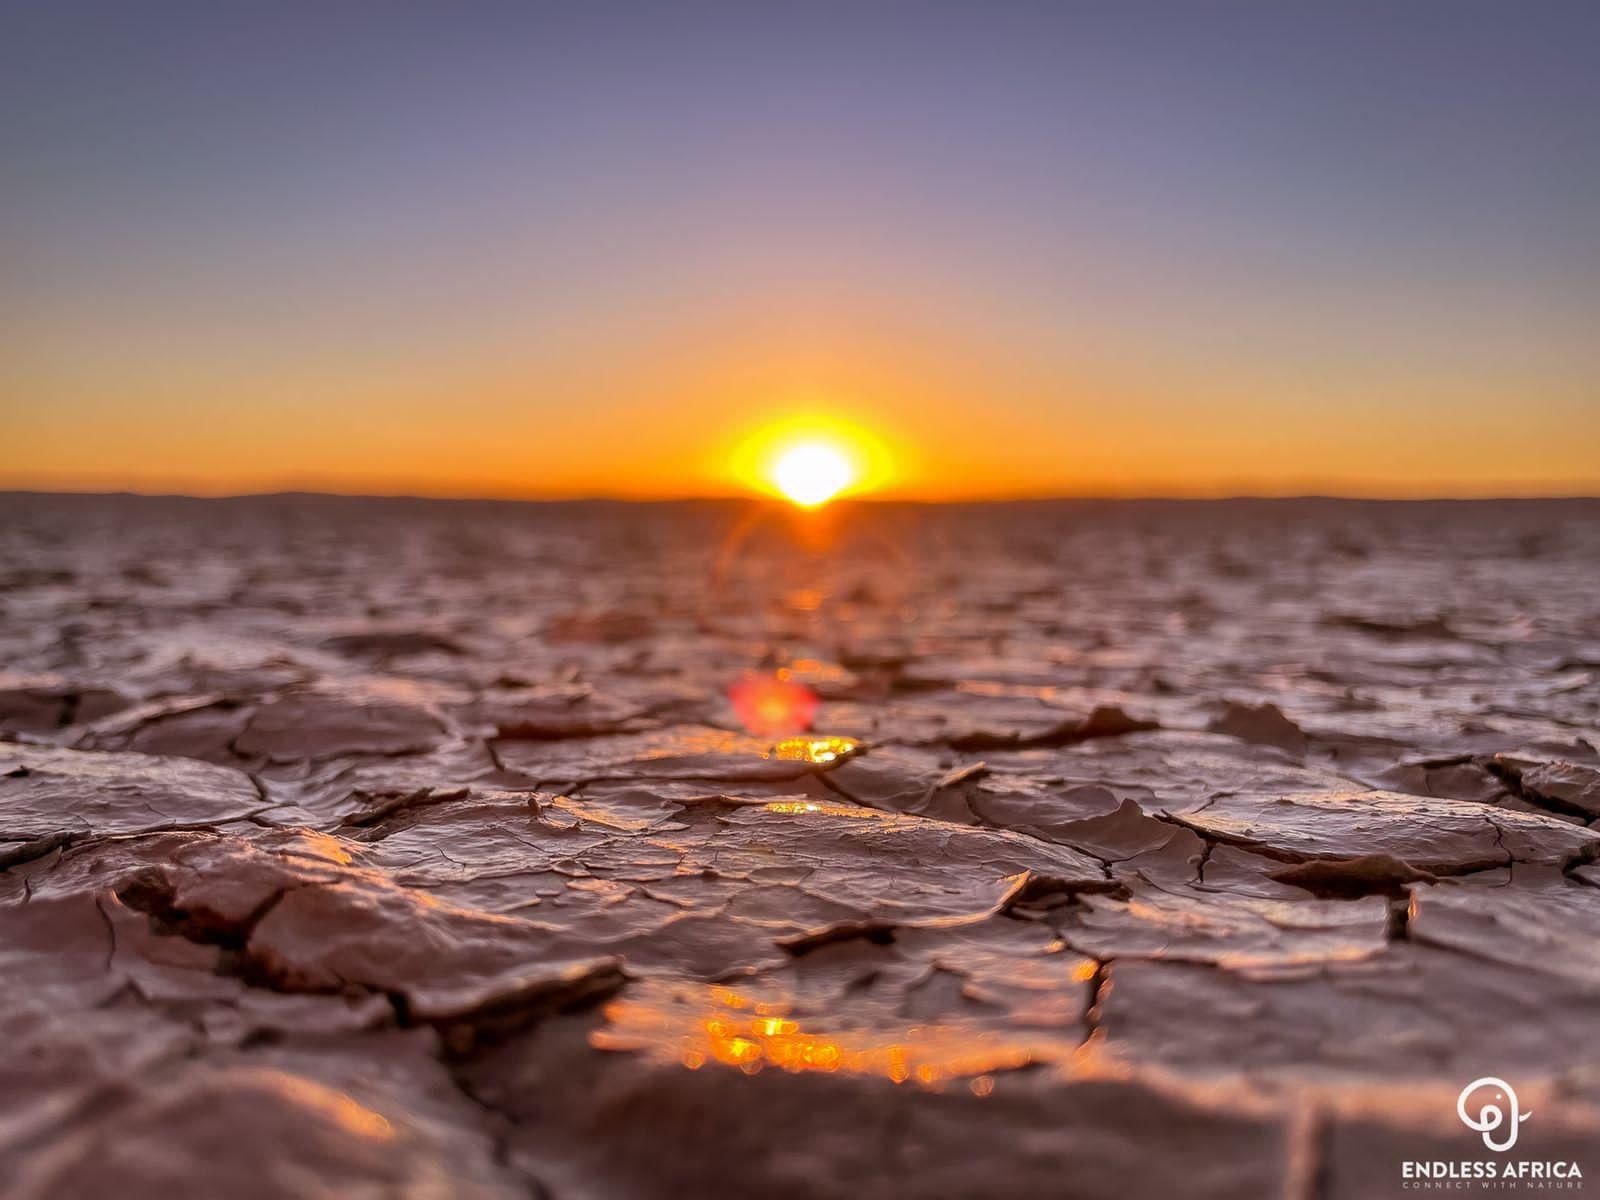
[1490,1116]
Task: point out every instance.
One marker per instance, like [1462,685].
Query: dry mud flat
[407,849]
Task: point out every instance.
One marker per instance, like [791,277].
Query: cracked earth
[393,848]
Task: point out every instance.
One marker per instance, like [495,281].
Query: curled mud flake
[1568,788]
[396,643]
[1035,894]
[1263,724]
[878,931]
[821,751]
[908,779]
[958,775]
[1452,779]
[1115,837]
[199,727]
[1370,874]
[1443,837]
[1390,625]
[1104,721]
[379,808]
[556,713]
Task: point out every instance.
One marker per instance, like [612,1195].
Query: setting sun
[810,458]
[812,473]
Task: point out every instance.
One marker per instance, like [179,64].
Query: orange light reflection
[819,750]
[721,1026]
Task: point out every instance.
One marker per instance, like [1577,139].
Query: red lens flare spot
[773,704]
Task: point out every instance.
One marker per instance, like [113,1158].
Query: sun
[809,458]
[812,472]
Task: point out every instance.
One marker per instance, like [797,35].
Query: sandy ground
[392,848]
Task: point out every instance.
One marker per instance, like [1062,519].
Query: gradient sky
[524,249]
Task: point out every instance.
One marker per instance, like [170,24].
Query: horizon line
[732,498]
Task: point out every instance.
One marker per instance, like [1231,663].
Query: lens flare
[773,704]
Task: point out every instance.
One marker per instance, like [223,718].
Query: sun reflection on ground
[700,1026]
[819,750]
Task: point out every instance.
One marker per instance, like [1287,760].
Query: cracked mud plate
[1126,856]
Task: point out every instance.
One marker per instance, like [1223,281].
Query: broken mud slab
[1443,837]
[51,797]
[1259,937]
[353,1126]
[317,724]
[43,704]
[317,922]
[1567,788]
[1414,1012]
[1541,922]
[860,1113]
[356,847]
[729,886]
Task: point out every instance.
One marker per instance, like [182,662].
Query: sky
[1188,248]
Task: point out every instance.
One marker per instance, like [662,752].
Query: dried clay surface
[396,848]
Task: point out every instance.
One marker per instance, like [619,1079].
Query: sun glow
[812,473]
[810,460]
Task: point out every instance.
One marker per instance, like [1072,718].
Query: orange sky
[946,420]
[554,253]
